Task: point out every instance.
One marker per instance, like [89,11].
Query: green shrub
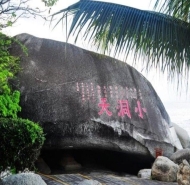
[9,66]
[20,143]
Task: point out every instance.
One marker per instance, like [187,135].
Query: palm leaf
[161,40]
[177,8]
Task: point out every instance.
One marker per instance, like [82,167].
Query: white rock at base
[144,174]
[23,179]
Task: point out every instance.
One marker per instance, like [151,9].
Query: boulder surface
[86,100]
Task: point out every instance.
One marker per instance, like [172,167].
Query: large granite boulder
[86,100]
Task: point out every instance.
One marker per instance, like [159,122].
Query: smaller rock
[68,163]
[42,166]
[180,155]
[182,135]
[5,173]
[183,175]
[23,179]
[90,182]
[164,169]
[144,174]
[176,141]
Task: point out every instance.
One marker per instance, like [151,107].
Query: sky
[177,103]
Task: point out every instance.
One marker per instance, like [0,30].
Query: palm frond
[163,41]
[176,8]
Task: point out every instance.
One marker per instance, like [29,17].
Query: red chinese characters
[104,107]
[124,108]
[127,101]
[140,110]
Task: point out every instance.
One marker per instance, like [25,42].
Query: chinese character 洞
[104,107]
[124,108]
[139,109]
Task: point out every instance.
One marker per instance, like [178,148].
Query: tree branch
[11,10]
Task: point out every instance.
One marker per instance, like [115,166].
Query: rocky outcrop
[23,179]
[86,100]
[164,170]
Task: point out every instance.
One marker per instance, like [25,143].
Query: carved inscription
[121,95]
